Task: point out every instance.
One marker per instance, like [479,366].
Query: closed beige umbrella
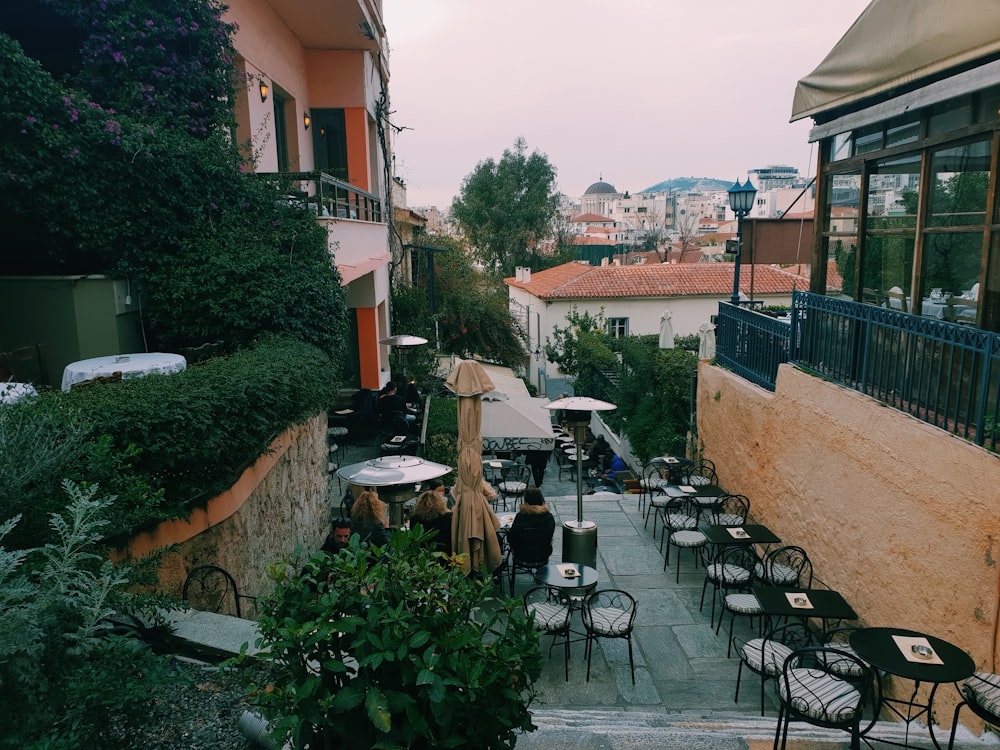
[474,524]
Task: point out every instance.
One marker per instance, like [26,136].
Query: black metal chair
[210,588]
[787,566]
[530,549]
[701,473]
[553,611]
[514,480]
[680,529]
[654,477]
[981,694]
[731,570]
[765,656]
[809,691]
[731,510]
[609,613]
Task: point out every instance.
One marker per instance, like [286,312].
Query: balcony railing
[942,373]
[329,197]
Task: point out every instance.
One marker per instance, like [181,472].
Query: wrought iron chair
[609,613]
[731,510]
[700,473]
[765,656]
[676,512]
[680,533]
[981,694]
[651,485]
[809,691]
[514,480]
[210,588]
[530,549]
[552,610]
[731,570]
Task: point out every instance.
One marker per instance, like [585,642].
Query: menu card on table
[670,460]
[799,600]
[686,488]
[568,570]
[916,650]
[398,439]
[738,532]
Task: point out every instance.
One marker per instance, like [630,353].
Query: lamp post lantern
[741,199]
[579,536]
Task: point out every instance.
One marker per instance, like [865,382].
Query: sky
[632,91]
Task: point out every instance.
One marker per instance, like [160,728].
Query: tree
[472,311]
[507,208]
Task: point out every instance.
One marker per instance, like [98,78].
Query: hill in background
[689,184]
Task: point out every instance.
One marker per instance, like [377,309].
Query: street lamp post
[741,199]
[579,536]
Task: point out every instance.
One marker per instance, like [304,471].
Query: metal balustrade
[942,373]
[329,197]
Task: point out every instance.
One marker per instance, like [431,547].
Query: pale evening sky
[638,91]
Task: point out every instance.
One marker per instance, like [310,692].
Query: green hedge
[165,444]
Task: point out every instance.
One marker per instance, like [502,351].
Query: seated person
[339,536]
[412,396]
[530,535]
[391,404]
[370,519]
[598,449]
[432,513]
[617,465]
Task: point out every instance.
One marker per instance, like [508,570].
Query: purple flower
[55,126]
[117,56]
[149,22]
[31,119]
[212,204]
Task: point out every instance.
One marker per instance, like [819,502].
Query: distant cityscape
[682,219]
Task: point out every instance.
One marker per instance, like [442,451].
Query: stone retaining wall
[280,504]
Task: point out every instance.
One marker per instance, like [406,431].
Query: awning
[896,43]
[512,419]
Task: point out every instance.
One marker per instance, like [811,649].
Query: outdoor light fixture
[263,90]
[741,199]
[579,536]
[306,120]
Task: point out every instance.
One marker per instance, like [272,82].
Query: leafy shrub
[200,428]
[65,682]
[395,650]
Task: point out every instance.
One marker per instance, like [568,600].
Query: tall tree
[507,208]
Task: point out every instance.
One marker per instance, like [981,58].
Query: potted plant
[394,648]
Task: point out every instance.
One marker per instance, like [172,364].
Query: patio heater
[402,344]
[395,477]
[741,199]
[579,536]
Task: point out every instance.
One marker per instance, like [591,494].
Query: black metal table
[821,604]
[751,533]
[879,648]
[576,587]
[676,466]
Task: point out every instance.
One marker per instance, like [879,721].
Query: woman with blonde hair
[431,512]
[370,518]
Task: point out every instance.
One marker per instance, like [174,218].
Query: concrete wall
[897,515]
[280,504]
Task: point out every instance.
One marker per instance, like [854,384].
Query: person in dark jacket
[432,513]
[530,535]
[339,536]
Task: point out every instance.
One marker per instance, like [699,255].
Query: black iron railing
[942,373]
[329,197]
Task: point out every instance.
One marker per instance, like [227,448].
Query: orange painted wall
[336,78]
[356,122]
[368,347]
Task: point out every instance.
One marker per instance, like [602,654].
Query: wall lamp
[263,90]
[306,120]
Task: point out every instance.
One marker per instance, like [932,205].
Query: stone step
[572,729]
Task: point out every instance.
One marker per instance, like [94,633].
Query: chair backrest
[516,473]
[210,588]
[531,544]
[612,610]
[738,555]
[704,469]
[839,701]
[653,473]
[25,364]
[788,566]
[731,510]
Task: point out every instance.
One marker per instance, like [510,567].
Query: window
[617,327]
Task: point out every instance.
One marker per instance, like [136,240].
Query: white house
[634,297]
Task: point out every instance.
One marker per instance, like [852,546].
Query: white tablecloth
[129,365]
[11,392]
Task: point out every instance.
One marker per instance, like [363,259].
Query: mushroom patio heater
[395,477]
[402,343]
[579,536]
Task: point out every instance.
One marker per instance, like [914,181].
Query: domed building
[599,198]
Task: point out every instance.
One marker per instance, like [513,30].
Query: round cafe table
[129,365]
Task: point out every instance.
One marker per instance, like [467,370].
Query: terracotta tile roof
[582,240]
[578,281]
[591,218]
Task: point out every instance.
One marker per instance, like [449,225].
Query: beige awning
[894,43]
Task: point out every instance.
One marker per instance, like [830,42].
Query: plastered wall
[899,516]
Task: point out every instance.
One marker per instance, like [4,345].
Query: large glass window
[841,227]
[890,232]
